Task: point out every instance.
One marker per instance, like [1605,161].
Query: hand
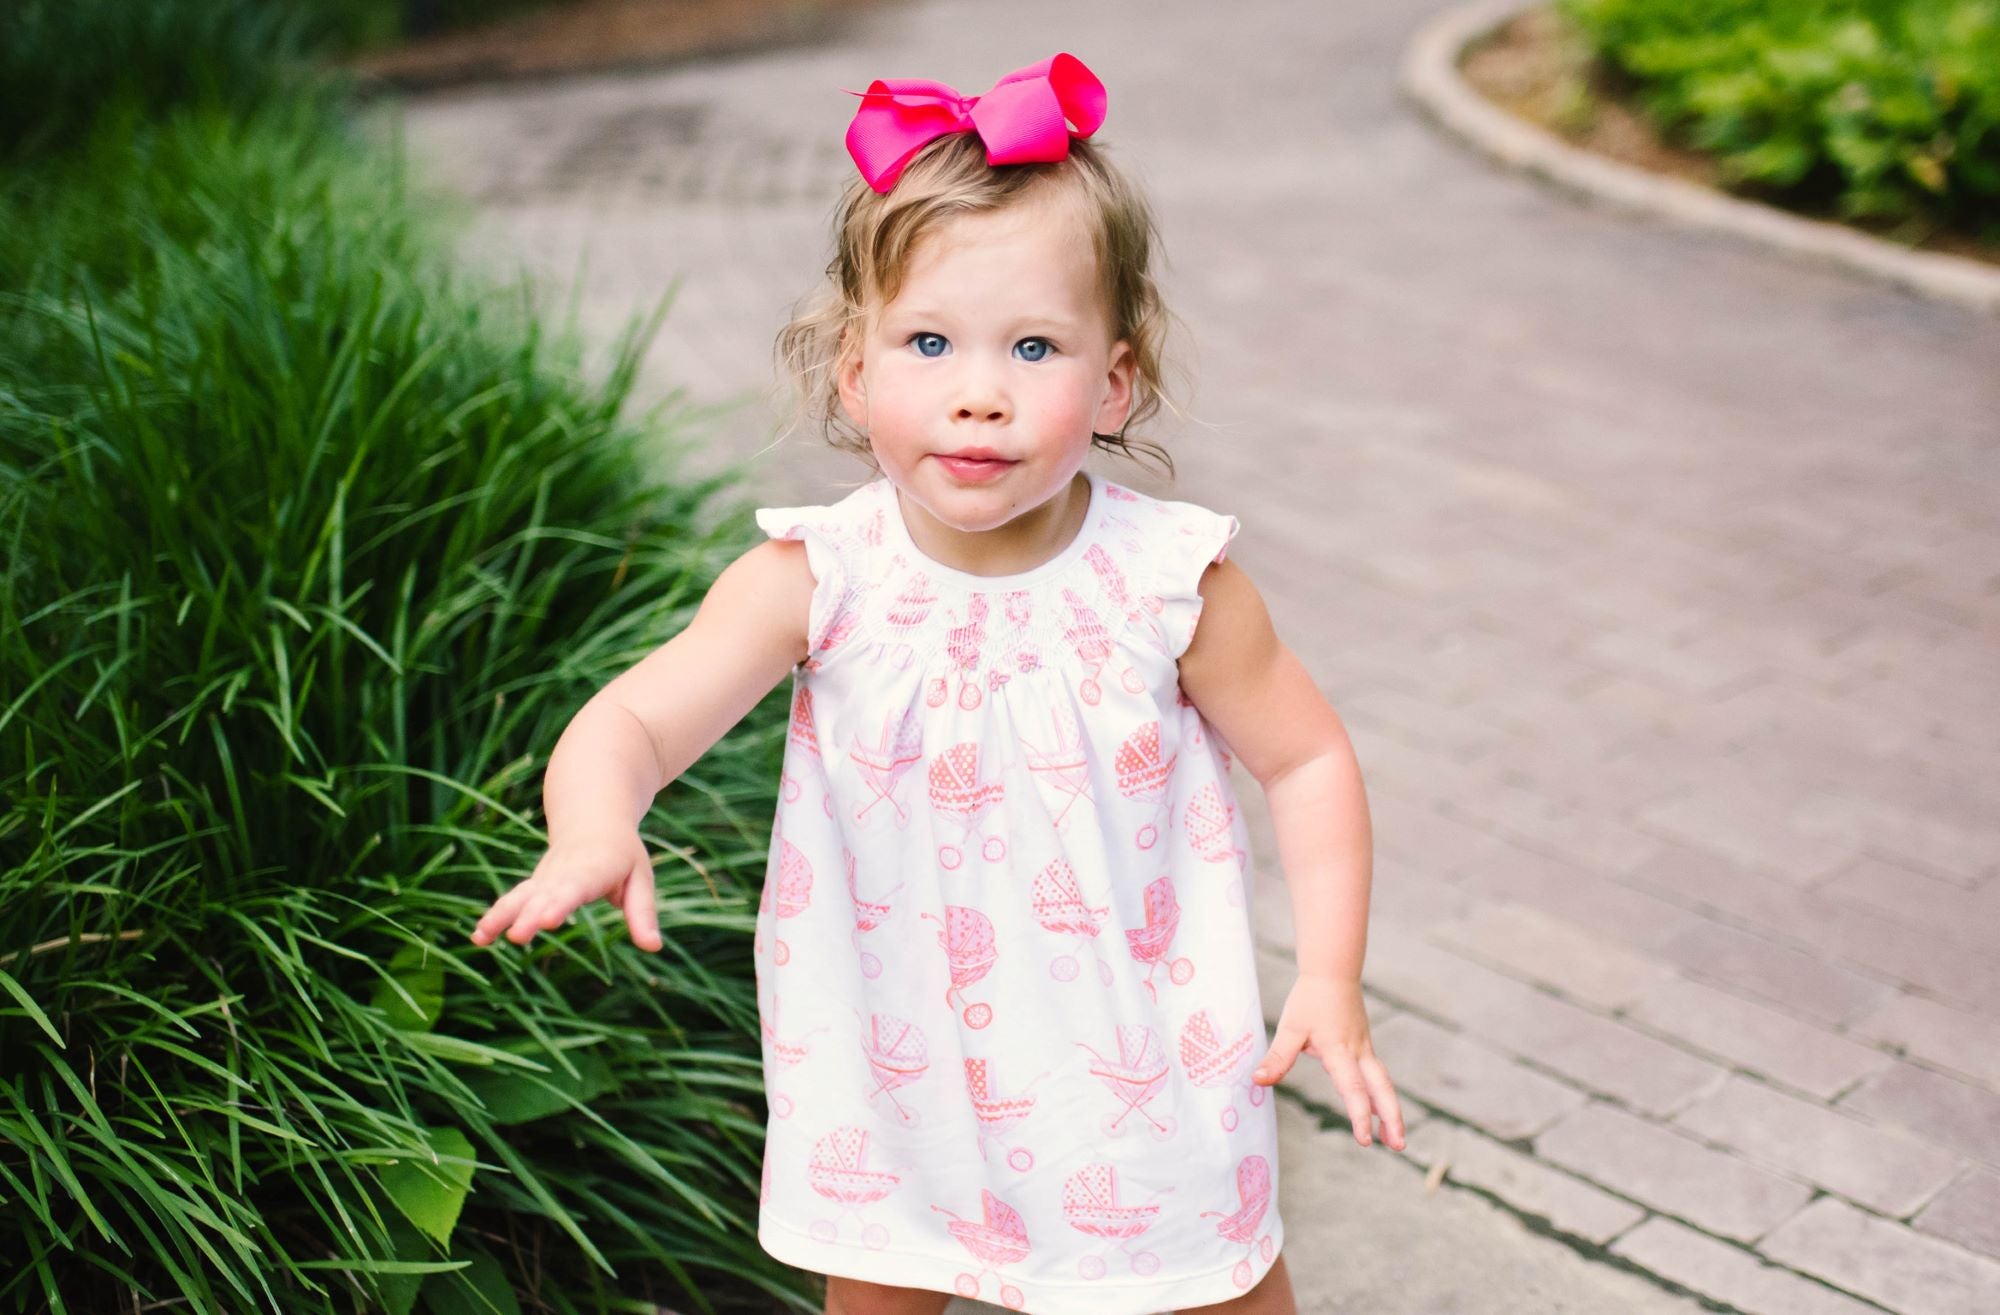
[571,874]
[1325,1017]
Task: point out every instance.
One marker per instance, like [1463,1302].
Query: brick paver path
[1657,579]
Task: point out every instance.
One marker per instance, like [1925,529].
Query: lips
[975,466]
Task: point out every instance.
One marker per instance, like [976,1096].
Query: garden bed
[588,36]
[1538,67]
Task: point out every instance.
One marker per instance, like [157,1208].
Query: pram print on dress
[1004,955]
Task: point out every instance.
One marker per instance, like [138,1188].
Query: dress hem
[936,1273]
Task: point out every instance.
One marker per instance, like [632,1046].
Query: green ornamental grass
[308,552]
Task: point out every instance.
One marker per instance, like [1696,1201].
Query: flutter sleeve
[1183,543]
[831,577]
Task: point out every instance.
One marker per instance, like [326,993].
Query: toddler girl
[1004,960]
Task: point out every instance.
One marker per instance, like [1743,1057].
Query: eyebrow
[1038,320]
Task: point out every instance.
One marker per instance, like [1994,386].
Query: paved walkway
[1654,576]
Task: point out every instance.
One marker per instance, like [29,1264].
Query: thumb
[642,914]
[1277,1061]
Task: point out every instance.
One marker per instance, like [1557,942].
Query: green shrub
[1875,108]
[307,554]
[66,63]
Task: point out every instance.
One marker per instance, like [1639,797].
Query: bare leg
[853,1296]
[1271,1296]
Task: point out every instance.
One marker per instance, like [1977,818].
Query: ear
[848,380]
[1117,403]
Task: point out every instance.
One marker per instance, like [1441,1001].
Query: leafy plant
[1883,109]
[308,551]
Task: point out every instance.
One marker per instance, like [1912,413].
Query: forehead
[1036,249]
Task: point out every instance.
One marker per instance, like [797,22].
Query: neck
[1022,544]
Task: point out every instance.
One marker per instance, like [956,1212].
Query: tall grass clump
[1873,109]
[65,63]
[308,551]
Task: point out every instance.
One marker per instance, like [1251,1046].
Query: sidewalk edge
[1430,79]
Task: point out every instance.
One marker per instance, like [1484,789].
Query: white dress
[1004,956]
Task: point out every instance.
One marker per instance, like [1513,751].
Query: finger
[544,912]
[642,915]
[1387,1105]
[1346,1075]
[500,914]
[1277,1061]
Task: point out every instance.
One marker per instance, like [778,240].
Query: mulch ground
[1538,68]
[594,36]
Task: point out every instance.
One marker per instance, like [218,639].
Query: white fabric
[1004,957]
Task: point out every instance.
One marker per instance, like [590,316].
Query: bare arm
[646,727]
[1264,703]
[1255,691]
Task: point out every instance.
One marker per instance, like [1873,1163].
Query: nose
[982,396]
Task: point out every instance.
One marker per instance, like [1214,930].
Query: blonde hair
[876,233]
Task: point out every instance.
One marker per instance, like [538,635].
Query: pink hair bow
[1025,119]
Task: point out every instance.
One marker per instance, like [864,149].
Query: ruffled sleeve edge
[823,557]
[1195,538]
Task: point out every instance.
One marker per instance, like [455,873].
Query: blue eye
[929,344]
[1033,349]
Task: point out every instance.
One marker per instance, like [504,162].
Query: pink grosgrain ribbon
[1025,119]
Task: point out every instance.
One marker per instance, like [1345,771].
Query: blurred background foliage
[1885,109]
[309,548]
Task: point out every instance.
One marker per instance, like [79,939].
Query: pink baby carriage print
[1212,1062]
[1253,1191]
[897,1056]
[884,763]
[1151,943]
[997,1238]
[1060,908]
[1109,576]
[962,644]
[785,1054]
[786,896]
[1092,642]
[958,792]
[873,530]
[909,609]
[999,1114]
[1135,1077]
[1020,607]
[868,915]
[1066,765]
[1090,1204]
[1133,544]
[1144,774]
[839,629]
[802,733]
[967,937]
[1209,821]
[838,1171]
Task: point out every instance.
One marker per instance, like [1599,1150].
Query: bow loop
[1027,118]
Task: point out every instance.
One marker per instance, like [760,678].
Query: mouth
[974,469]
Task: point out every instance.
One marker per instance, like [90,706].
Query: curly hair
[875,235]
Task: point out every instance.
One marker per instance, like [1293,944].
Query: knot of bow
[1026,118]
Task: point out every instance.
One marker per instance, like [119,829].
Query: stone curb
[1430,78]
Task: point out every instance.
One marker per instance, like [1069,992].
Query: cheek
[896,395]
[1067,403]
